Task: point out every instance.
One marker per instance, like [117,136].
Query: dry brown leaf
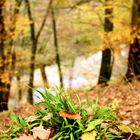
[126,122]
[104,124]
[25,137]
[41,133]
[31,118]
[70,115]
[48,117]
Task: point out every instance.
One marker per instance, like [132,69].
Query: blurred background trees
[8,18]
[65,42]
[133,70]
[106,64]
[3,83]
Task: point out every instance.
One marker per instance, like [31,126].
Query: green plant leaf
[93,124]
[22,121]
[14,117]
[81,126]
[32,125]
[105,113]
[71,136]
[15,129]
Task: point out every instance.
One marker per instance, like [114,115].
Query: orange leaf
[70,115]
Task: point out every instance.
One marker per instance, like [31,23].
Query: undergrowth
[68,119]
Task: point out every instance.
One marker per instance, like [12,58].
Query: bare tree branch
[19,2]
[83,2]
[44,20]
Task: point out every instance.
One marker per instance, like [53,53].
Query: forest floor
[124,97]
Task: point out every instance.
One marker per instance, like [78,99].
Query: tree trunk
[31,78]
[4,82]
[71,73]
[56,48]
[12,31]
[106,64]
[33,53]
[19,88]
[105,71]
[133,70]
[44,76]
[34,39]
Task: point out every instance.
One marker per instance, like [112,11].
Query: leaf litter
[124,99]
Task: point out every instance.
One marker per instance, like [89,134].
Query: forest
[69,69]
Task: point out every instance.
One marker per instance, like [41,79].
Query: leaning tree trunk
[133,70]
[106,64]
[34,39]
[44,75]
[4,76]
[56,48]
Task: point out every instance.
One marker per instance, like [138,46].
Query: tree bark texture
[4,76]
[33,53]
[106,64]
[44,75]
[12,46]
[19,87]
[133,70]
[34,39]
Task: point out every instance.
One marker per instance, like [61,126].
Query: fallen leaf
[126,122]
[70,115]
[124,128]
[31,118]
[113,130]
[115,103]
[41,133]
[104,125]
[25,137]
[89,136]
[48,117]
